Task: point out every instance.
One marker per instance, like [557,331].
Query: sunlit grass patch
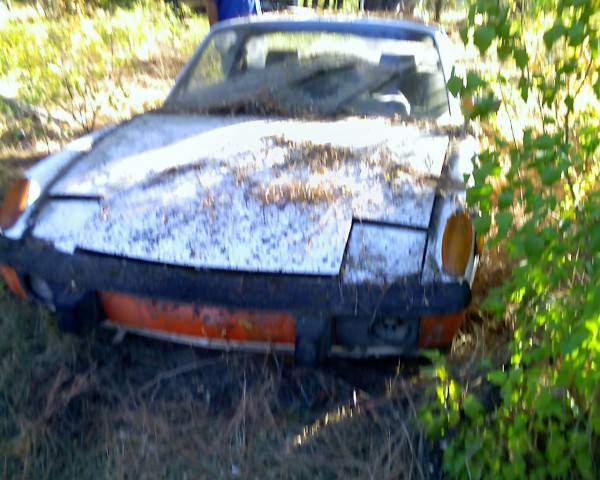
[78,72]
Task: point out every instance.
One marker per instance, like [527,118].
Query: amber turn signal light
[14,202]
[11,278]
[457,243]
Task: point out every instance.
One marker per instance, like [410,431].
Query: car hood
[246,194]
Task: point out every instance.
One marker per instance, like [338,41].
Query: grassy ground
[91,408]
[87,408]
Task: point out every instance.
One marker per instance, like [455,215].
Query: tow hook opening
[314,336]
[77,312]
[80,316]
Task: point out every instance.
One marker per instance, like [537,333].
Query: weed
[546,217]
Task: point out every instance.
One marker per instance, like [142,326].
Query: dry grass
[282,191]
[312,173]
[145,409]
[482,335]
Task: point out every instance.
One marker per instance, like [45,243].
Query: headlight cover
[457,243]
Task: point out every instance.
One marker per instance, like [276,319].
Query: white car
[302,189]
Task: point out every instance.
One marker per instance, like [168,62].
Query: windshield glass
[317,73]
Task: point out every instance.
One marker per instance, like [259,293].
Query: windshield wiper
[325,71]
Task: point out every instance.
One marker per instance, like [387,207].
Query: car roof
[359,23]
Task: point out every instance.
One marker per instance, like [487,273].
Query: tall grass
[75,72]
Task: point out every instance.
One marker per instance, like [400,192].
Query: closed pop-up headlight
[457,243]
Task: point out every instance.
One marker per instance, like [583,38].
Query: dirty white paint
[383,253]
[247,194]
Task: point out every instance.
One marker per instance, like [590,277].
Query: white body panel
[250,194]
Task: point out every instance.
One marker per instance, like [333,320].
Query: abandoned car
[301,189]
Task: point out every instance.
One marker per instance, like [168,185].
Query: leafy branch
[539,197]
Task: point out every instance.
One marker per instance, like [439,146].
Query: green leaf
[485,106]
[489,165]
[502,22]
[595,238]
[534,246]
[527,139]
[483,37]
[495,305]
[505,200]
[569,67]
[472,407]
[487,6]
[548,405]
[455,84]
[574,341]
[464,33]
[477,194]
[524,87]
[570,102]
[504,222]
[482,223]
[550,176]
[595,421]
[504,51]
[576,34]
[584,462]
[471,14]
[552,35]
[432,354]
[544,142]
[474,81]
[497,377]
[521,58]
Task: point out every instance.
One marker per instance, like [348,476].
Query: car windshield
[313,73]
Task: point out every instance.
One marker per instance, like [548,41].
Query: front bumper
[85,271]
[430,312]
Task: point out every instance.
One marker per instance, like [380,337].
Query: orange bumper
[198,321]
[236,325]
[439,330]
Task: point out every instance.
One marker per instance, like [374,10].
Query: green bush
[539,197]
